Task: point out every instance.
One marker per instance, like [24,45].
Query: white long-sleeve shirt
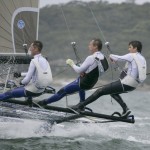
[136,68]
[132,66]
[31,74]
[89,64]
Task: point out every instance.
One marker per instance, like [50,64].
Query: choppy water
[30,135]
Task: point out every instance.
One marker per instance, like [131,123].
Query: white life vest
[130,81]
[43,79]
[127,79]
[142,67]
[102,64]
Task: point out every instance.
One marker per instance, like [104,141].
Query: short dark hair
[136,44]
[38,44]
[98,43]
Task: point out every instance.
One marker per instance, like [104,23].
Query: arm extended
[29,74]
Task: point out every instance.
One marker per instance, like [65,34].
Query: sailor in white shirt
[37,78]
[131,77]
[93,66]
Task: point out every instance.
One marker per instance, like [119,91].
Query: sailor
[90,70]
[38,77]
[134,74]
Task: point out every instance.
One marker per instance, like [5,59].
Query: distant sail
[19,20]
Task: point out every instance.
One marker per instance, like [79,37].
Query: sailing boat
[18,28]
[19,22]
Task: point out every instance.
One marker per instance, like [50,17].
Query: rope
[102,34]
[106,43]
[66,22]
[96,21]
[61,72]
[73,44]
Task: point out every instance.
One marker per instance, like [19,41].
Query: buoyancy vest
[43,78]
[102,65]
[142,67]
[91,78]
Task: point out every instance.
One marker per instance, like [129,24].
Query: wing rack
[75,116]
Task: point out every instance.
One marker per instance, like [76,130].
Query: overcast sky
[50,2]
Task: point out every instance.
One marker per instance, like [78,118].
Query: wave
[23,128]
[131,138]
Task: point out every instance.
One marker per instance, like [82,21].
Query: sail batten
[19,24]
[4,34]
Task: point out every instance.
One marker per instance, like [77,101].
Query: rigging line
[59,73]
[102,34]
[67,25]
[71,38]
[73,44]
[95,19]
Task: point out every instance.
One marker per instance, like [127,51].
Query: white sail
[19,21]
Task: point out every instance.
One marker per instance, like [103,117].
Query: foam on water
[19,128]
[103,131]
[23,128]
[142,118]
[131,138]
[79,129]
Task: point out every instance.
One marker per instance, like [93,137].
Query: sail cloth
[19,21]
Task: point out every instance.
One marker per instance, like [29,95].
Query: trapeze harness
[98,65]
[43,78]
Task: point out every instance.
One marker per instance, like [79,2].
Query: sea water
[39,135]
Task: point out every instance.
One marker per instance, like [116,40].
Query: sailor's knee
[61,91]
[8,93]
[98,92]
